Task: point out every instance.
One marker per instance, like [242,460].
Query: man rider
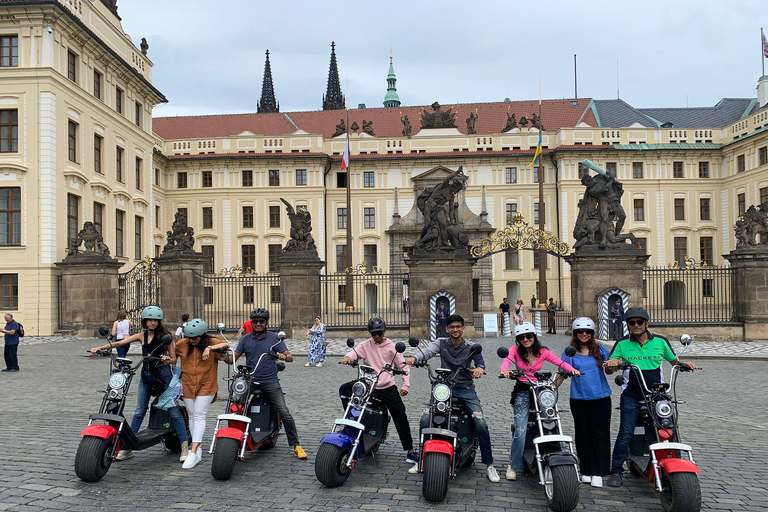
[253,345]
[454,351]
[378,351]
[646,350]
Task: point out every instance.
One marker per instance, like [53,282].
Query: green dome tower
[391,100]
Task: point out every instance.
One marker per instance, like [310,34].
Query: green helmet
[196,327]
[152,313]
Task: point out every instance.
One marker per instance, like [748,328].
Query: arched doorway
[441,297]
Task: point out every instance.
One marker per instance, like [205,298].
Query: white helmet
[524,328]
[583,323]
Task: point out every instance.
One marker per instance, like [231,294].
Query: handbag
[326,343]
[170,397]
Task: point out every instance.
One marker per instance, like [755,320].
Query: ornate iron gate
[137,289]
[385,295]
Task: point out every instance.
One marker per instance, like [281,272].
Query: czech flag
[345,158]
[537,153]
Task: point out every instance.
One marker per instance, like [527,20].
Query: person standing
[180,331]
[120,329]
[520,314]
[503,309]
[551,311]
[533,301]
[11,332]
[441,315]
[317,344]
[617,319]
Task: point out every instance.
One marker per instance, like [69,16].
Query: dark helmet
[260,313]
[376,324]
[636,312]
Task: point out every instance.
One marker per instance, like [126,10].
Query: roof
[492,118]
[669,146]
[727,111]
[619,114]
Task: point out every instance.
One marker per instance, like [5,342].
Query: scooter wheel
[93,460]
[224,457]
[331,465]
[437,471]
[561,485]
[680,492]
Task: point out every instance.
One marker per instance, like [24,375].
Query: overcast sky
[209,56]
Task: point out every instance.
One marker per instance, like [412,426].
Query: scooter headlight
[359,390]
[442,406]
[663,409]
[547,400]
[239,388]
[117,380]
[441,392]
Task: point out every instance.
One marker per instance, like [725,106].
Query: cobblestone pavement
[45,406]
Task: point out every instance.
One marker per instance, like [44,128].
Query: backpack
[21,331]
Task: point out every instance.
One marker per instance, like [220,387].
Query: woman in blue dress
[316,344]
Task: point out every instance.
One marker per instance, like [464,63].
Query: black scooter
[101,441]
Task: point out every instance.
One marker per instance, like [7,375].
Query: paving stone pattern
[45,406]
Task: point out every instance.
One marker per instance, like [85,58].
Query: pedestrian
[199,382]
[526,354]
[247,327]
[520,313]
[617,321]
[317,344]
[533,301]
[120,329]
[155,376]
[180,331]
[441,315]
[551,311]
[408,305]
[503,309]
[590,403]
[11,332]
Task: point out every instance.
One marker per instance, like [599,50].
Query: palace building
[78,143]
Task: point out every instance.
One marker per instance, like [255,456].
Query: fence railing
[563,321]
[231,298]
[371,295]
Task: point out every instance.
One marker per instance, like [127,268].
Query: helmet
[636,312]
[260,313]
[583,323]
[524,328]
[376,324]
[196,327]
[151,313]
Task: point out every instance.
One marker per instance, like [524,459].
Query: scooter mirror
[103,330]
[570,351]
[619,380]
[281,335]
[221,327]
[400,347]
[350,342]
[502,352]
[413,341]
[166,340]
[476,349]
[686,339]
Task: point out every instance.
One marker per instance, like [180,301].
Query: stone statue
[341,128]
[536,122]
[301,230]
[441,224]
[437,118]
[523,122]
[511,123]
[144,46]
[182,237]
[92,241]
[752,228]
[406,126]
[471,120]
[368,128]
[354,127]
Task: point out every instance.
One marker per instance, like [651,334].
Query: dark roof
[619,114]
[727,111]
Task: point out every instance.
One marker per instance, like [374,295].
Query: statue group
[438,205]
[181,238]
[437,118]
[92,241]
[301,230]
[752,228]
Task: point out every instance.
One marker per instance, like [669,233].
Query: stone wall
[751,264]
[88,293]
[177,288]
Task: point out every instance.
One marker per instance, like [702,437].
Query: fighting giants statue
[752,227]
[441,220]
[301,230]
[182,237]
[601,216]
[92,241]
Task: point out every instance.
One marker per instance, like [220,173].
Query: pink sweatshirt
[530,369]
[378,356]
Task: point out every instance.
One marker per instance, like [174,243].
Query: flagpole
[349,281]
[542,255]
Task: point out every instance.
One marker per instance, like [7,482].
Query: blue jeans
[630,411]
[142,404]
[122,350]
[521,408]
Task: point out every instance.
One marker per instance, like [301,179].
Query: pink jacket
[379,356]
[530,369]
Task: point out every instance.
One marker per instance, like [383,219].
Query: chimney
[762,91]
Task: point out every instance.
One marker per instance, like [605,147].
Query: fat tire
[330,465]
[92,460]
[565,488]
[681,492]
[224,457]
[437,472]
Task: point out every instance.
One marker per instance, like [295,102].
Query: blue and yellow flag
[537,153]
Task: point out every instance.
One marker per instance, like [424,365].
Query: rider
[378,352]
[454,351]
[645,350]
[155,377]
[253,345]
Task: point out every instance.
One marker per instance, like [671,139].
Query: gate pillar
[751,289]
[299,290]
[178,289]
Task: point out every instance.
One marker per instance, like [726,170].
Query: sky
[209,56]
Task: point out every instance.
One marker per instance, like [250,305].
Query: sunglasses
[377,333]
[454,327]
[633,323]
[259,321]
[526,336]
[582,331]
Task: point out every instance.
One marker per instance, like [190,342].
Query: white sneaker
[192,460]
[124,455]
[511,473]
[597,481]
[493,476]
[586,479]
[414,469]
[308,364]
[319,365]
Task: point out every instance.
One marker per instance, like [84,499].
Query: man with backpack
[12,333]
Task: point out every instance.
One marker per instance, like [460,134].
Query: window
[157,251]
[639,209]
[98,217]
[138,173]
[249,256]
[274,294]
[677,170]
[301,177]
[511,260]
[741,201]
[119,164]
[9,51]
[764,195]
[72,66]
[72,140]
[275,250]
[97,84]
[341,218]
[157,177]
[248,216]
[274,216]
[637,170]
[138,114]
[681,249]
[208,295]
[510,175]
[247,178]
[369,256]
[704,213]
[9,291]
[10,216]
[248,295]
[369,218]
[207,179]
[707,290]
[139,225]
[274,178]
[679,209]
[9,131]
[536,174]
[207,217]
[583,171]
[97,142]
[119,223]
[208,252]
[703,169]
[119,100]
[762,155]
[369,181]
[342,293]
[706,252]
[181,180]
[341,258]
[536,213]
[610,168]
[183,211]
[73,217]
[536,260]
[642,244]
[740,163]
[511,211]
[341,180]
[157,216]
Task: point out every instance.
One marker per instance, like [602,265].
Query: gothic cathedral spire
[267,103]
[333,99]
[391,100]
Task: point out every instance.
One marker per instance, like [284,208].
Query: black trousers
[274,393]
[592,423]
[391,398]
[11,360]
[551,323]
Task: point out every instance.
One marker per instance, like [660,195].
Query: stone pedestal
[594,270]
[431,272]
[89,286]
[177,288]
[299,290]
[751,265]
